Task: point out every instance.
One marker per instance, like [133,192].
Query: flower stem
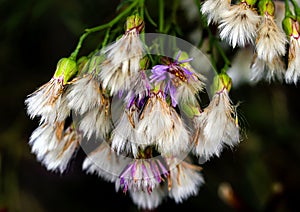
[296,8]
[161,15]
[101,27]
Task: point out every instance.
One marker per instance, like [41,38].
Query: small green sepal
[134,22]
[222,81]
[266,7]
[66,68]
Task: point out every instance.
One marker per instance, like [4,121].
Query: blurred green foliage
[262,173]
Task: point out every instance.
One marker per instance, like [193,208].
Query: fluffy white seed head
[46,138]
[84,94]
[161,126]
[261,69]
[213,9]
[59,157]
[124,137]
[105,162]
[95,121]
[48,102]
[185,180]
[292,74]
[122,62]
[271,40]
[186,91]
[238,25]
[216,127]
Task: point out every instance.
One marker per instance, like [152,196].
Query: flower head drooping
[239,23]
[59,157]
[106,163]
[173,75]
[124,137]
[216,126]
[213,9]
[97,120]
[271,40]
[187,90]
[55,146]
[123,57]
[269,70]
[161,125]
[140,86]
[291,27]
[48,101]
[184,179]
[85,93]
[142,175]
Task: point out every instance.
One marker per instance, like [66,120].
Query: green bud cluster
[266,7]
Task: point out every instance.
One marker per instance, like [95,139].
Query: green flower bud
[134,21]
[222,81]
[287,25]
[266,6]
[66,68]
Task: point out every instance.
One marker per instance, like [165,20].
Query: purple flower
[172,73]
[143,175]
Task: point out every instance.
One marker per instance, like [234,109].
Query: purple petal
[177,56]
[172,95]
[185,61]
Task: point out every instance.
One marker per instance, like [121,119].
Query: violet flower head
[143,175]
[172,74]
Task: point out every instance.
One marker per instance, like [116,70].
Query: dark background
[263,171]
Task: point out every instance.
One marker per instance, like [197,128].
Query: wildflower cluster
[142,109]
[254,22]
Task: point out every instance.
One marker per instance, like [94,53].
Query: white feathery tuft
[216,127]
[238,25]
[84,94]
[122,62]
[271,40]
[144,200]
[185,180]
[95,121]
[292,74]
[213,9]
[105,163]
[124,136]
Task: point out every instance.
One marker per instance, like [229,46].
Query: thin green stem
[212,57]
[174,10]
[224,57]
[101,27]
[296,7]
[288,12]
[142,9]
[106,37]
[151,21]
[161,15]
